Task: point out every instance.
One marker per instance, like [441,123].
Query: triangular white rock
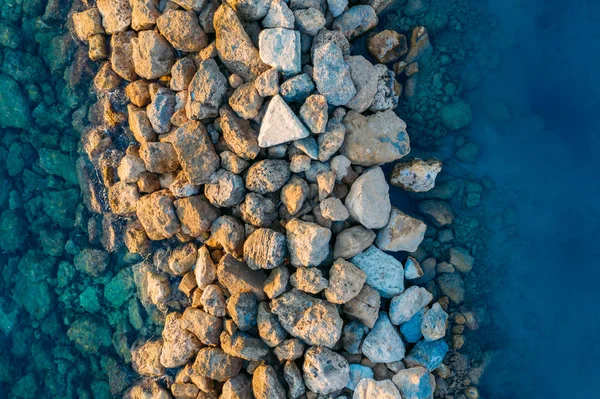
[280,125]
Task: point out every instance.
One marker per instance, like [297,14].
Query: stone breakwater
[236,148]
[265,227]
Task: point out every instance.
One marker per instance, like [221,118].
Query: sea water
[535,126]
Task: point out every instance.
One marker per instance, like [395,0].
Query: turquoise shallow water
[533,120]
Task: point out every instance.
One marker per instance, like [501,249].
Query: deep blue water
[545,164]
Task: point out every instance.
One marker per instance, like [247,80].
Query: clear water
[538,273]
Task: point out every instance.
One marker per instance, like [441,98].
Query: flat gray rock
[383,344]
[332,75]
[280,48]
[384,272]
[368,201]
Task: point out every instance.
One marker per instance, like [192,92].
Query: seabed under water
[520,172]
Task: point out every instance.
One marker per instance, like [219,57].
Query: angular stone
[375,139]
[116,15]
[266,384]
[411,330]
[427,354]
[352,241]
[215,364]
[234,46]
[243,308]
[280,48]
[364,77]
[333,209]
[439,213]
[267,83]
[368,388]
[433,325]
[238,387]
[280,125]
[246,101]
[358,373]
[384,272]
[368,201]
[267,176]
[195,151]
[87,23]
[182,73]
[325,371]
[294,193]
[269,328]
[145,359]
[157,214]
[227,232]
[159,157]
[206,91]
[213,301]
[356,20]
[179,345]
[297,88]
[290,349]
[308,243]
[279,16]
[314,113]
[144,14]
[153,56]
[309,280]
[383,344]
[196,215]
[224,189]
[345,282]
[160,110]
[258,210]
[387,46]
[265,249]
[239,136]
[404,306]
[182,30]
[335,36]
[402,233]
[123,198]
[314,321]
[205,327]
[332,74]
[293,377]
[244,346]
[205,270]
[414,382]
[276,283]
[309,20]
[238,278]
[352,337]
[386,97]
[416,175]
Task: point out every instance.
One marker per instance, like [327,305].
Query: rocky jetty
[235,236]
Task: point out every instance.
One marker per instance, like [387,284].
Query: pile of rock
[245,169]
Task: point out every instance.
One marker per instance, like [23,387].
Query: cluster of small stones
[237,148]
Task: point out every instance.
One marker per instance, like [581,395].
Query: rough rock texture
[325,371]
[345,282]
[384,272]
[416,175]
[314,321]
[332,74]
[375,139]
[216,364]
[280,48]
[356,20]
[157,215]
[265,249]
[383,344]
[352,241]
[402,233]
[206,91]
[153,56]
[368,200]
[308,243]
[368,388]
[182,30]
[234,46]
[280,125]
[404,306]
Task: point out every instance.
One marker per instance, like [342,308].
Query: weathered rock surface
[265,249]
[280,48]
[308,243]
[238,278]
[375,139]
[195,214]
[234,46]
[402,233]
[206,92]
[182,30]
[352,241]
[414,382]
[153,56]
[368,388]
[345,282]
[384,272]
[368,200]
[157,215]
[280,125]
[332,74]
[404,306]
[383,344]
[216,364]
[314,321]
[416,175]
[325,371]
[356,20]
